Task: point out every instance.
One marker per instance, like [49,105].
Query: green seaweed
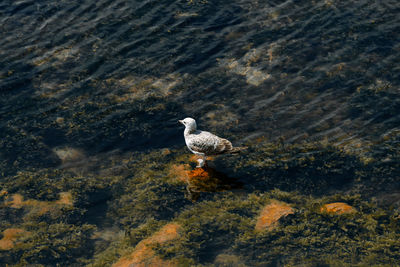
[49,243]
[226,225]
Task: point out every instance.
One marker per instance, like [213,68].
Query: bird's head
[189,123]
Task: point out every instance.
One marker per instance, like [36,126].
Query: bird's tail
[236,150]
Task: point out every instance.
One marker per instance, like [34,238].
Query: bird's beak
[181,121]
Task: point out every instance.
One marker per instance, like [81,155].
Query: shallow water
[91,89]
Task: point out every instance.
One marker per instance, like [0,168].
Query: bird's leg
[201,161]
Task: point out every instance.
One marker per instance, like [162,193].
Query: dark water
[92,87]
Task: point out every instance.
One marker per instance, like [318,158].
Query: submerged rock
[271,213]
[337,208]
[69,154]
[254,75]
[144,254]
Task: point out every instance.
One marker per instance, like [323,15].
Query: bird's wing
[209,144]
[224,146]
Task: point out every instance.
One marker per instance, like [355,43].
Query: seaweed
[47,244]
[308,168]
[121,202]
[148,192]
[308,236]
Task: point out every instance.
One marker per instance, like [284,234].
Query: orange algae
[10,237]
[271,213]
[40,207]
[65,199]
[180,172]
[199,173]
[337,208]
[144,255]
[206,179]
[3,193]
[183,173]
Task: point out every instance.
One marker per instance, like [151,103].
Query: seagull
[205,143]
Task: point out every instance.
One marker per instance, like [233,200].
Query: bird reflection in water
[208,179]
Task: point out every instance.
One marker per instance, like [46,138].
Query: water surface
[91,92]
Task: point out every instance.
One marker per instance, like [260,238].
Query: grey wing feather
[224,146]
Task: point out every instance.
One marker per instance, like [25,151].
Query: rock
[271,213]
[69,154]
[337,208]
[185,14]
[60,120]
[144,255]
[254,74]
